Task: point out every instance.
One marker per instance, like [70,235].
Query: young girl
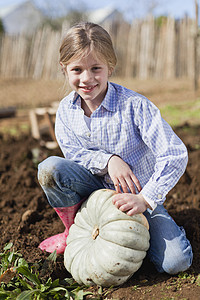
[113,137]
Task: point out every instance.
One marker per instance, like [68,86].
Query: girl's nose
[86,76]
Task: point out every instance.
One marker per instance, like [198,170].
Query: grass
[175,115]
[13,128]
[179,114]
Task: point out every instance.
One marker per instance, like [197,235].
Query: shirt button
[159,196]
[88,134]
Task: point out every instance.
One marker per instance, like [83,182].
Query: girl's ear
[63,69]
[110,72]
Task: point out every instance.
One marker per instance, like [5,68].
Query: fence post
[196,48]
[145,49]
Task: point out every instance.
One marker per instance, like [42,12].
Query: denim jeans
[66,183]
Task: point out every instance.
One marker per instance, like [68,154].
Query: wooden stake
[195,48]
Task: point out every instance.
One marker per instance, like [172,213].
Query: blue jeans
[66,183]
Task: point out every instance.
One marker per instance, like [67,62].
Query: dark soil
[20,193]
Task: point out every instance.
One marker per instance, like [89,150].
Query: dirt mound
[26,218]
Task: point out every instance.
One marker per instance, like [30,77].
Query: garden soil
[26,218]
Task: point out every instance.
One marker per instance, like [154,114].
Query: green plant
[1,27]
[198,280]
[20,280]
[161,21]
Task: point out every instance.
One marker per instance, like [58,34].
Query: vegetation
[160,21]
[74,16]
[20,280]
[178,114]
[1,27]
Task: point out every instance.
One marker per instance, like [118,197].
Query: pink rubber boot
[58,241]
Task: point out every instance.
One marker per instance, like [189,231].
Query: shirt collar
[75,99]
[109,102]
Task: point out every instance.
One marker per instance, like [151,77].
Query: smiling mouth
[87,88]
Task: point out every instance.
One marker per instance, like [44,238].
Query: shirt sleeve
[93,159]
[169,151]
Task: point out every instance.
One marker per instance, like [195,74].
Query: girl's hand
[130,203]
[120,173]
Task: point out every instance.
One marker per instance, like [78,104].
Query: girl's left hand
[130,203]
[122,176]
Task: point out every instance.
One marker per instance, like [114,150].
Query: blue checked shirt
[129,125]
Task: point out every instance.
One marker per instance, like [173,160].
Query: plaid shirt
[129,125]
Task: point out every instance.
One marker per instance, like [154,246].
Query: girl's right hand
[122,175]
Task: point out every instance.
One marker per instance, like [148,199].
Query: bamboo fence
[145,49]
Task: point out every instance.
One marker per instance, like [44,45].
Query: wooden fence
[145,49]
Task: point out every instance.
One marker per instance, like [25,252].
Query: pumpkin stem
[95,232]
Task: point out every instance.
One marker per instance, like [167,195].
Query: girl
[113,137]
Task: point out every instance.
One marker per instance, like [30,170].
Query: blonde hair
[87,36]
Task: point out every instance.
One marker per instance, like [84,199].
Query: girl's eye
[96,68]
[76,70]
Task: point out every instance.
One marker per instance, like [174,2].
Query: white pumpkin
[105,246]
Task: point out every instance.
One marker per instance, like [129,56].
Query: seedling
[20,280]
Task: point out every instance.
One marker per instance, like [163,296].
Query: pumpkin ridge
[119,248]
[77,259]
[105,204]
[123,246]
[107,263]
[131,226]
[80,221]
[85,273]
[118,218]
[101,277]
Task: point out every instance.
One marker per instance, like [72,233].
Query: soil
[26,218]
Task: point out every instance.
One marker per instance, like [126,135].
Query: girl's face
[88,76]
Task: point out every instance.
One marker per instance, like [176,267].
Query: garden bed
[20,193]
